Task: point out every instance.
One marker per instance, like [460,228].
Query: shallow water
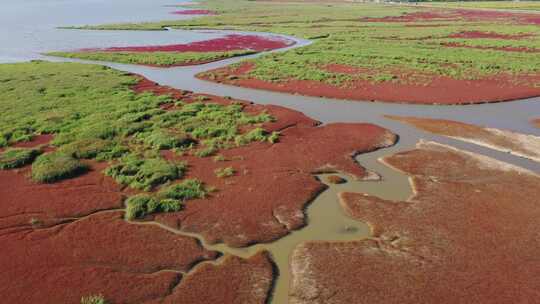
[27,29]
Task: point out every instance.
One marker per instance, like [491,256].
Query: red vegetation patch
[461,239]
[228,43]
[98,254]
[194,12]
[479,47]
[440,89]
[410,17]
[23,201]
[234,280]
[460,15]
[488,35]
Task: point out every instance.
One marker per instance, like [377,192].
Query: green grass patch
[139,206]
[17,157]
[186,190]
[145,173]
[94,299]
[55,166]
[99,149]
[94,114]
[225,172]
[169,199]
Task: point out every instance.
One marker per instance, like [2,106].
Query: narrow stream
[326,219]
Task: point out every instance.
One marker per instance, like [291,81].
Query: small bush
[17,157]
[219,158]
[274,137]
[186,190]
[208,151]
[93,300]
[52,167]
[224,172]
[93,148]
[257,134]
[139,206]
[145,174]
[168,140]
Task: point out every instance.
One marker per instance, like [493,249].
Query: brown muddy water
[326,220]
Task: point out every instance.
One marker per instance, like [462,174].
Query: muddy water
[326,219]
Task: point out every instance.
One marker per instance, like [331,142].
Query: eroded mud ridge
[527,146]
[468,234]
[78,243]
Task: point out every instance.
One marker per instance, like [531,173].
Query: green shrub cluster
[17,157]
[224,172]
[145,173]
[186,190]
[99,149]
[169,199]
[55,166]
[95,299]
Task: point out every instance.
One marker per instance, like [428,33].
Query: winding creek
[326,219]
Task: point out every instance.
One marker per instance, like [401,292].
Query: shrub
[224,172]
[145,174]
[208,151]
[274,137]
[168,140]
[93,300]
[93,148]
[219,158]
[17,157]
[139,206]
[257,134]
[52,167]
[186,190]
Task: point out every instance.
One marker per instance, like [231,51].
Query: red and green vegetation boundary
[194,53]
[382,52]
[95,158]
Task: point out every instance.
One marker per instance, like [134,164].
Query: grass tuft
[145,174]
[224,172]
[186,190]
[94,299]
[52,167]
[17,157]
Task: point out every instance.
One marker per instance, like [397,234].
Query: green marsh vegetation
[168,199]
[17,157]
[52,167]
[153,58]
[95,299]
[225,172]
[410,52]
[96,116]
